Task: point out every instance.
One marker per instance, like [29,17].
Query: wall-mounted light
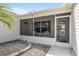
[25,22]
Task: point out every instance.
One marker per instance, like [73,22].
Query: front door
[62,29]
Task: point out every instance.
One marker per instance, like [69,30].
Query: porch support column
[33,27]
[55,28]
[33,23]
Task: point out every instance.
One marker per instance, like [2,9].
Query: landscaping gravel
[36,50]
[12,47]
[16,46]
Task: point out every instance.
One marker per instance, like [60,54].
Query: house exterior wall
[6,34]
[75,29]
[39,40]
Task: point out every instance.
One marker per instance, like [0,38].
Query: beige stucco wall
[7,35]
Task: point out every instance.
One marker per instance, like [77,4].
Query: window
[37,27]
[42,28]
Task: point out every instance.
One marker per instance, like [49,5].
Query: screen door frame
[62,43]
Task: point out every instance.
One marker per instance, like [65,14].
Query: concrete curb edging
[21,51]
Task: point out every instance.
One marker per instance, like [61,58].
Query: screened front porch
[41,26]
[52,26]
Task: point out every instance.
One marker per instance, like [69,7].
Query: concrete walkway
[59,51]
